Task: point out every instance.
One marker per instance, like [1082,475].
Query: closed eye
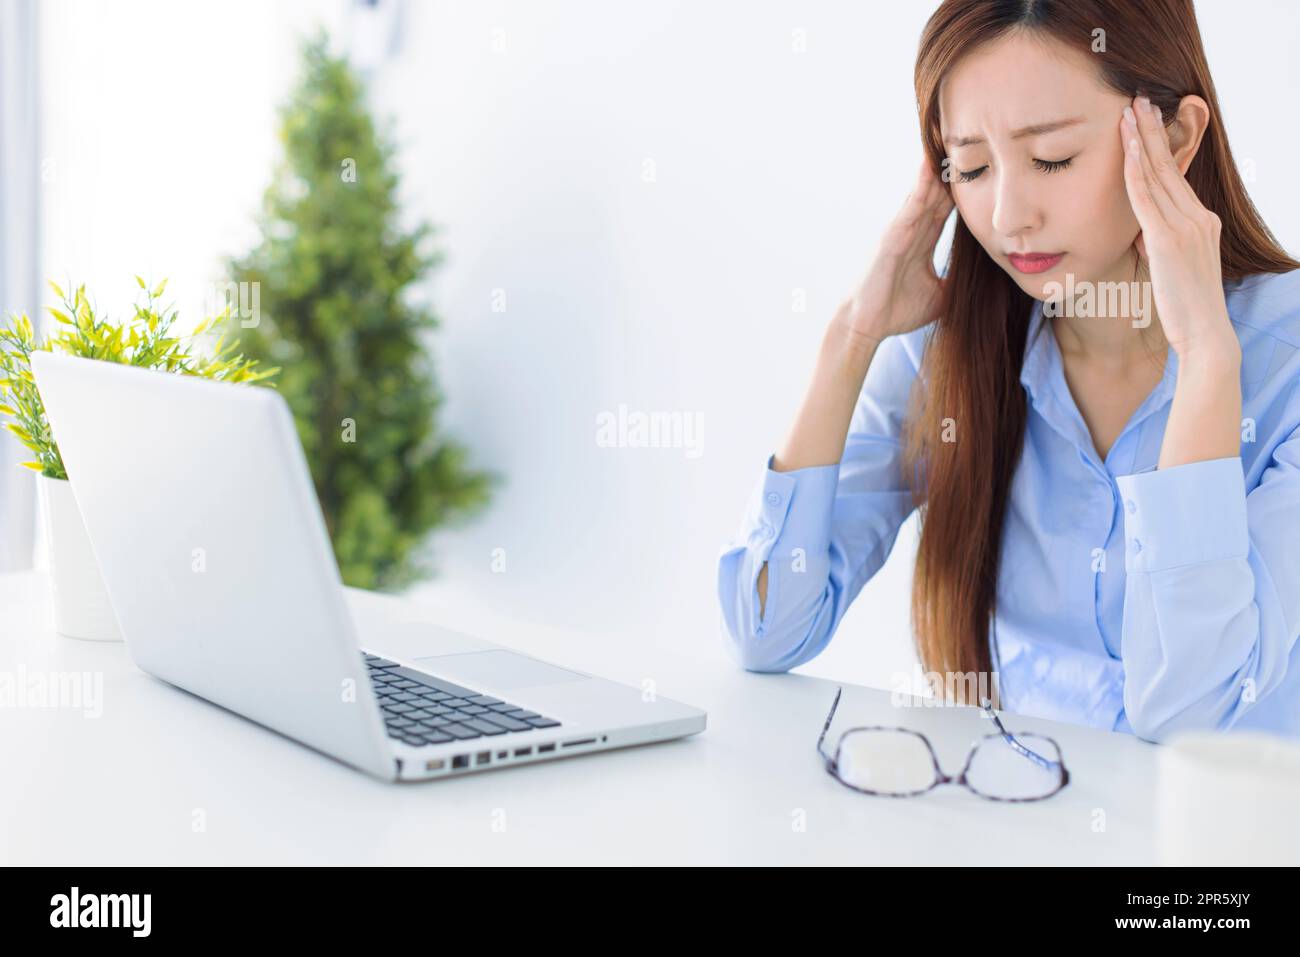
[1047,166]
[1051,166]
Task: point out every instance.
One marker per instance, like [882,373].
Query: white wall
[19,255]
[525,128]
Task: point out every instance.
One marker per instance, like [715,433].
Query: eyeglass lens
[898,762]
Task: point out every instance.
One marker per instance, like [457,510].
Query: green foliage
[143,340]
[333,271]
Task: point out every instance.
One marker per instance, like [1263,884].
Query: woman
[1096,406]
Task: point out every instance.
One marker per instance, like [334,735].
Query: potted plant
[81,605]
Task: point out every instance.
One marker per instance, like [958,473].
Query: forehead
[1017,80]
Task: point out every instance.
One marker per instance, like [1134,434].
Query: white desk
[129,786]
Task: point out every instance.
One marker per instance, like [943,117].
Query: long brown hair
[970,372]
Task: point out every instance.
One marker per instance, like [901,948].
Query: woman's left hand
[1179,240]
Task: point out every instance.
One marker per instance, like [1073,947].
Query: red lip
[1035,262]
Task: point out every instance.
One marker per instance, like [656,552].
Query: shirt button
[765,531]
[773,498]
[1131,506]
[1137,546]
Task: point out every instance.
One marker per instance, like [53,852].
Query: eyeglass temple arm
[1046,763]
[827,726]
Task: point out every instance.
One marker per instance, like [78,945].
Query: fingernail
[1128,114]
[1144,104]
[1159,116]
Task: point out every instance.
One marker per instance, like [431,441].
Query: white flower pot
[81,605]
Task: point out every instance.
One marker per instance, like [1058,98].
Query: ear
[1185,130]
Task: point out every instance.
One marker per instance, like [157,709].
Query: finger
[930,235]
[930,220]
[1139,191]
[937,193]
[922,177]
[924,229]
[938,201]
[1168,209]
[1163,165]
[928,197]
[916,199]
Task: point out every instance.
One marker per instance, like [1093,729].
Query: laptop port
[501,755]
[436,764]
[483,757]
[543,748]
[574,744]
[460,761]
[522,752]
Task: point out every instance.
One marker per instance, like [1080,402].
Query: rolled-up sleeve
[1212,597]
[822,531]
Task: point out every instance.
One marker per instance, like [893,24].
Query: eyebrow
[1035,129]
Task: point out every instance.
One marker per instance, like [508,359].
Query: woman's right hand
[901,289]
[899,294]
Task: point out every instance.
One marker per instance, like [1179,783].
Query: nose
[1015,211]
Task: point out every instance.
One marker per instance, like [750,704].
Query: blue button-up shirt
[1129,598]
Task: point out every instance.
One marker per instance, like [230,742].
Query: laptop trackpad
[498,669]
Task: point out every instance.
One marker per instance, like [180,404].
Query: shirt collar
[1043,376]
[1037,365]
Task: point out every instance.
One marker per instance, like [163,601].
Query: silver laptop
[201,511]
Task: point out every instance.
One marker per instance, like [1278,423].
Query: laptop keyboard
[420,709]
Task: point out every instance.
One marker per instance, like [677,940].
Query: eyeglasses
[896,762]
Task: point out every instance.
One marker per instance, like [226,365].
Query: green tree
[327,294]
